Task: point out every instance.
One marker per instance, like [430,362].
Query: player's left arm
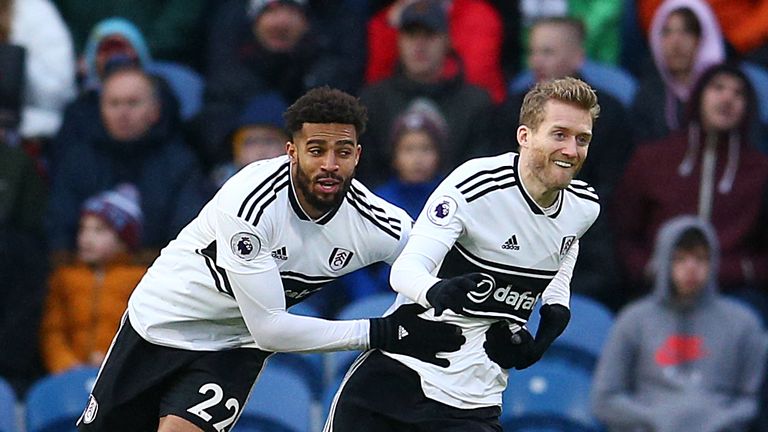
[522,350]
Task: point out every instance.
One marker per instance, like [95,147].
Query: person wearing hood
[684,358]
[132,141]
[685,39]
[709,169]
[113,43]
[424,51]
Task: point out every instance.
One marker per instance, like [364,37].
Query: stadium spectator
[684,358]
[556,51]
[743,23]
[685,39]
[47,68]
[476,32]
[23,266]
[134,141]
[424,46]
[173,28]
[260,134]
[710,169]
[87,298]
[257,47]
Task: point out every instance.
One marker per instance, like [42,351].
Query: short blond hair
[569,90]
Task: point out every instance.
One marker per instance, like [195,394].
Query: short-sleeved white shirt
[487,222]
[253,225]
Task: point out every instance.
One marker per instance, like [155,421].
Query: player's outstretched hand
[453,293]
[510,350]
[403,332]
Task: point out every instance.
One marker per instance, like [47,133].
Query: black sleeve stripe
[581,185]
[262,187]
[218,274]
[359,193]
[390,230]
[484,172]
[267,196]
[505,268]
[493,187]
[269,201]
[584,195]
[381,214]
[485,181]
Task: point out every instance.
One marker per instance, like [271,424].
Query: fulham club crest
[339,259]
[565,246]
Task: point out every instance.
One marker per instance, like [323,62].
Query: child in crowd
[88,297]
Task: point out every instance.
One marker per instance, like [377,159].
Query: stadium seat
[583,339]
[281,401]
[186,83]
[548,396]
[55,402]
[8,419]
[367,307]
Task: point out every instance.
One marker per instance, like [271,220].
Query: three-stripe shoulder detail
[374,214]
[483,182]
[583,190]
[262,195]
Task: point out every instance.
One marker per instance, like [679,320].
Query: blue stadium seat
[8,419]
[583,339]
[281,401]
[367,307]
[186,83]
[548,396]
[55,402]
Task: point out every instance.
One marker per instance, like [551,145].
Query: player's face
[690,270]
[723,103]
[554,152]
[323,160]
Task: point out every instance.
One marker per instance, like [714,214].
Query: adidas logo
[280,254]
[511,243]
[401,332]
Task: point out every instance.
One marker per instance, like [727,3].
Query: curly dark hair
[326,105]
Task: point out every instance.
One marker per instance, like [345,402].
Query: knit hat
[264,110]
[256,7]
[421,115]
[429,14]
[120,209]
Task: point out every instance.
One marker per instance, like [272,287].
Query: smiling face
[323,160]
[552,153]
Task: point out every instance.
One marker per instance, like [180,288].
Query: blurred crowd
[119,119]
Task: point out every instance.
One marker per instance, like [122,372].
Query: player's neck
[542,195]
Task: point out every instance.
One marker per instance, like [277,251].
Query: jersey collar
[299,211]
[551,212]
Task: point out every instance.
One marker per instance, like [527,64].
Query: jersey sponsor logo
[89,415]
[280,254]
[511,243]
[245,245]
[565,246]
[441,210]
[339,258]
[484,289]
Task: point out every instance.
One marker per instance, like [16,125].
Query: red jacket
[476,32]
[653,190]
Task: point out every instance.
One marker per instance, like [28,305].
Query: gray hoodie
[673,367]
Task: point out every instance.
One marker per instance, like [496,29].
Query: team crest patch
[245,245]
[339,258]
[441,210]
[90,410]
[565,246]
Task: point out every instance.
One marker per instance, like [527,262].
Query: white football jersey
[251,227]
[481,219]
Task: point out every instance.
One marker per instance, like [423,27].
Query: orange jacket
[744,22]
[83,311]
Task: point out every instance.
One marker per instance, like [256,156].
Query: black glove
[452,293]
[521,350]
[403,332]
